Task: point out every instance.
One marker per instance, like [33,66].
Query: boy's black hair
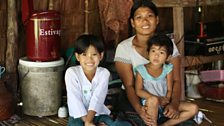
[161,40]
[84,41]
[143,3]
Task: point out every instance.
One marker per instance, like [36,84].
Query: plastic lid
[24,61]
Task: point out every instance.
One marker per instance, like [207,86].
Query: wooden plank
[198,60]
[186,3]
[43,121]
[12,45]
[34,121]
[22,123]
[50,122]
[178,24]
[63,121]
[213,110]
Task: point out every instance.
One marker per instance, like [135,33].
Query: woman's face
[144,21]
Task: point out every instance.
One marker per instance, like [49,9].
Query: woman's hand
[171,111]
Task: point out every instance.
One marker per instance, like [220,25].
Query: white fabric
[83,95]
[126,53]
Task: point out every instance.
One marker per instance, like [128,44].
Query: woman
[133,52]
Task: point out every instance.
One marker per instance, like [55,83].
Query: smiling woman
[131,53]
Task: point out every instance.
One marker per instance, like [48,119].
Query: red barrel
[43,36]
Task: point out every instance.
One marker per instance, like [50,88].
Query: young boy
[87,84]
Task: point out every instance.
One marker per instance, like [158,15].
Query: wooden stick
[86,17]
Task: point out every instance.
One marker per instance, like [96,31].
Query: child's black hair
[161,40]
[84,41]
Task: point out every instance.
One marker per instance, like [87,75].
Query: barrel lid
[48,15]
[24,61]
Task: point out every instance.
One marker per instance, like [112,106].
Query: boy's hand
[89,124]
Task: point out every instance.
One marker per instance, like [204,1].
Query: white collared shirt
[83,95]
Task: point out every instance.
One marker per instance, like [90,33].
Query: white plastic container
[40,84]
[212,75]
[62,112]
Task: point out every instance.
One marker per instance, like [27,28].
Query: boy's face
[157,55]
[90,59]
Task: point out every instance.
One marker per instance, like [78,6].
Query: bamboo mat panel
[42,121]
[213,110]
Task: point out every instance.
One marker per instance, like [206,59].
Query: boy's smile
[90,59]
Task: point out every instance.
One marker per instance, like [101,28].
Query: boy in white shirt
[87,85]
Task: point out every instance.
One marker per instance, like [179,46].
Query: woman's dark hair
[161,40]
[143,3]
[84,41]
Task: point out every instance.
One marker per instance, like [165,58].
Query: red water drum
[43,36]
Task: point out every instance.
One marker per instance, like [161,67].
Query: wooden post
[178,23]
[86,27]
[50,5]
[12,45]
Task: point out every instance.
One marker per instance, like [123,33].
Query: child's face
[157,55]
[90,59]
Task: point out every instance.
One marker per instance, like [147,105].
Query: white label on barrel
[49,32]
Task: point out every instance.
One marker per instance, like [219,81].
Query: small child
[87,84]
[155,79]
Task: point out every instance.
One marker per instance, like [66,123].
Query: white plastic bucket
[40,84]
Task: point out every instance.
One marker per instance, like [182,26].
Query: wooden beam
[198,60]
[178,24]
[186,3]
[12,36]
[12,45]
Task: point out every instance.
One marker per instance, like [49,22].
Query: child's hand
[164,101]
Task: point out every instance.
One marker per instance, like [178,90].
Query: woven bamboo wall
[72,18]
[2,31]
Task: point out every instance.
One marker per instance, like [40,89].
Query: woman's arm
[171,110]
[169,79]
[127,76]
[176,95]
